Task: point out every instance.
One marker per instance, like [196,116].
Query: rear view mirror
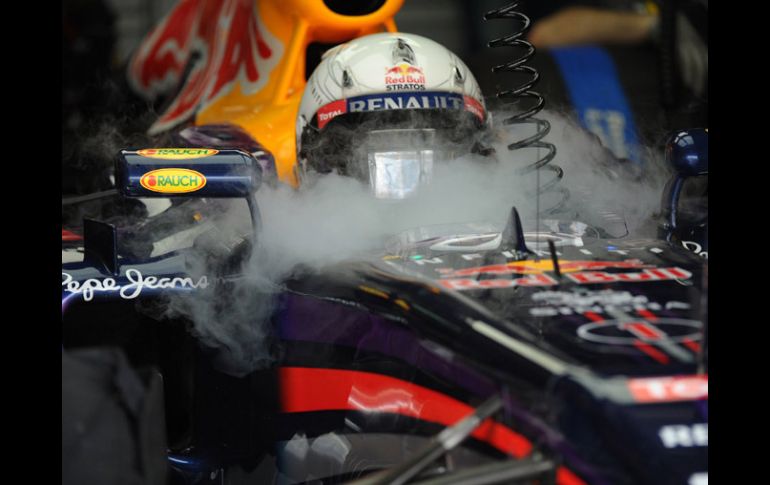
[190,172]
[687,152]
[685,210]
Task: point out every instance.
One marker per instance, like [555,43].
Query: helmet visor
[394,152]
[397,175]
[400,161]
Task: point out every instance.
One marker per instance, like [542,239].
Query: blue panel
[598,97]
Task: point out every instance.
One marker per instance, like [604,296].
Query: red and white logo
[657,274]
[404,77]
[668,389]
[536,276]
[461,284]
[328,112]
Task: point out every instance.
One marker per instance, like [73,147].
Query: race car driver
[384,108]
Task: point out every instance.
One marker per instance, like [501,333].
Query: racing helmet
[383,108]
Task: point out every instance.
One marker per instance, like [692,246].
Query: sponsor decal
[404,77]
[602,301]
[669,389]
[474,284]
[386,101]
[543,265]
[327,112]
[581,278]
[177,153]
[397,100]
[136,282]
[173,180]
[657,274]
[424,100]
[630,332]
[474,106]
[684,435]
[583,298]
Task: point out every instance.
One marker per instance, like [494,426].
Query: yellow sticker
[177,153]
[173,180]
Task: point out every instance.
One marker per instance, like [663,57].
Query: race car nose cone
[688,152]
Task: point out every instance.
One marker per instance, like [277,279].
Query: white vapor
[337,218]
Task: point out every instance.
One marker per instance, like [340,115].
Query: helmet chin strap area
[399,161]
[399,174]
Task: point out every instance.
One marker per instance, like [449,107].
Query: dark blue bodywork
[596,348]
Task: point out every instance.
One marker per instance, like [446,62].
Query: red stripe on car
[652,351]
[647,314]
[593,316]
[306,389]
[691,344]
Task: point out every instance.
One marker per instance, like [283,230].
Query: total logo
[173,180]
[404,76]
[329,111]
[177,153]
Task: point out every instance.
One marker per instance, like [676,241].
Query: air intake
[354,8]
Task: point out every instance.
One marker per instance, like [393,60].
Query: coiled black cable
[524,92]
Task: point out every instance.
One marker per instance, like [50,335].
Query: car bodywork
[591,350]
[594,346]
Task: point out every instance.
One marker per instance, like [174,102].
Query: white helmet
[382,107]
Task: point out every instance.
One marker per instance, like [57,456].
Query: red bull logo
[404,77]
[579,277]
[542,266]
[656,274]
[404,70]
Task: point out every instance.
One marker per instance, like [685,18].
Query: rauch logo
[177,153]
[173,180]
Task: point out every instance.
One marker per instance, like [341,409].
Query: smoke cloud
[335,218]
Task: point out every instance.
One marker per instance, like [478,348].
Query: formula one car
[459,351]
[462,353]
